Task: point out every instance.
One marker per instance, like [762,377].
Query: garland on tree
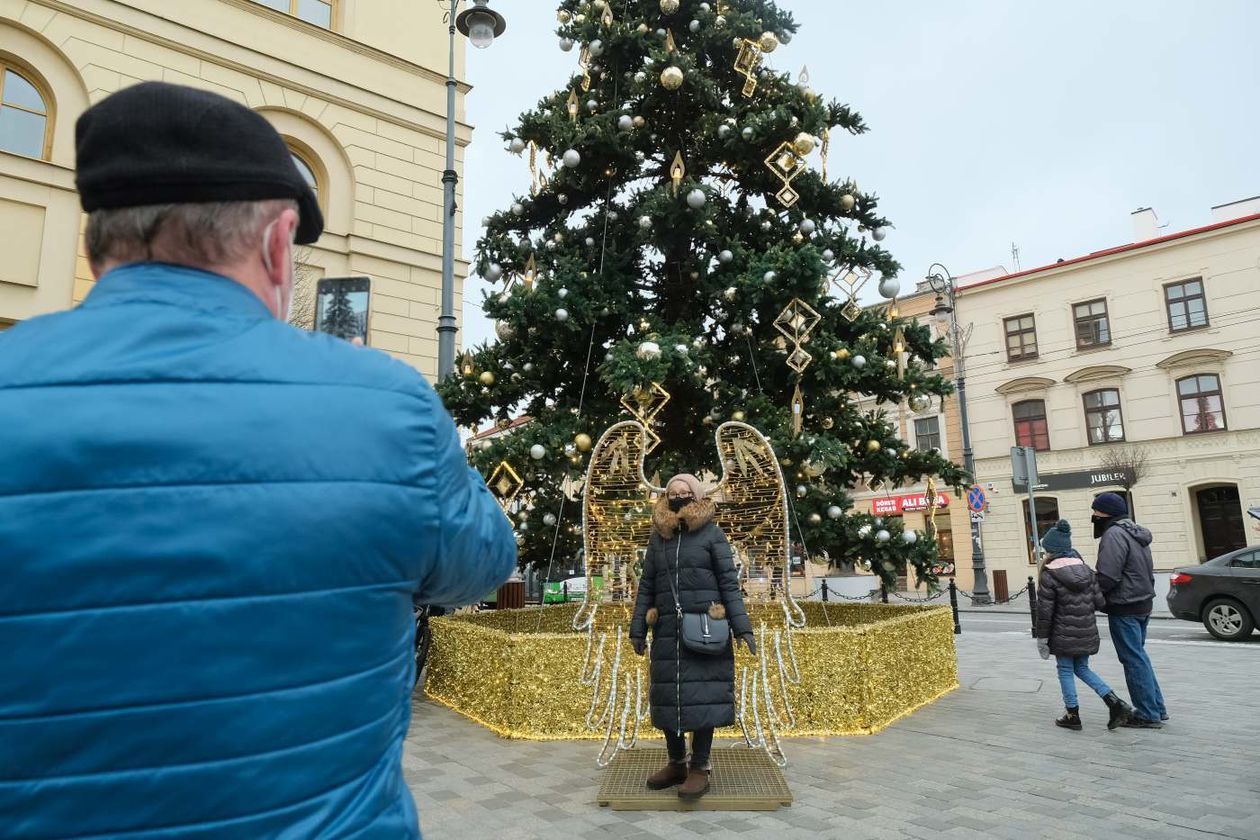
[662,250]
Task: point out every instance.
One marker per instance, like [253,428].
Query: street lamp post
[946,313]
[481,25]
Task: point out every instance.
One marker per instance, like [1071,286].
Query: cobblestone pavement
[984,761]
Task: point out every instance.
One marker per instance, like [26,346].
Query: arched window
[308,166]
[25,121]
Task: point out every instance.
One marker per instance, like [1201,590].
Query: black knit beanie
[158,143]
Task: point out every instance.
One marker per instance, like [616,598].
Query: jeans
[1128,634]
[701,746]
[1071,667]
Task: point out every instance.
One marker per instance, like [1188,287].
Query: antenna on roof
[1015,255]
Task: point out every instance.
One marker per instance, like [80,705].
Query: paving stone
[983,761]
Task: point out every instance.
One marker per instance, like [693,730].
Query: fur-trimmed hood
[695,516]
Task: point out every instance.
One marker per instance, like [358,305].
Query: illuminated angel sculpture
[617,518]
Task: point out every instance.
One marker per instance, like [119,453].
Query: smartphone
[342,307]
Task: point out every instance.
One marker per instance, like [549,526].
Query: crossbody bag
[700,632]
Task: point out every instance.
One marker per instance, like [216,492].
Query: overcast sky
[992,121]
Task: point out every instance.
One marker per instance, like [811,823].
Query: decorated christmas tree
[690,260]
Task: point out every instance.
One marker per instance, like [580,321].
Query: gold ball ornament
[668,7]
[804,143]
[873,446]
[486,378]
[738,416]
[639,122]
[671,78]
[847,202]
[583,442]
[841,354]
[564,16]
[769,42]
[828,423]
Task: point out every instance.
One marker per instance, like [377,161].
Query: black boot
[1071,720]
[1121,712]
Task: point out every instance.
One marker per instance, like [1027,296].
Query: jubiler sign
[1077,480]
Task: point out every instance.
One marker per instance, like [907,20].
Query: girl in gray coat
[1067,627]
[691,692]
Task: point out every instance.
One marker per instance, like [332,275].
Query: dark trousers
[701,746]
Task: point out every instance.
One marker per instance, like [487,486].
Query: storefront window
[1047,516]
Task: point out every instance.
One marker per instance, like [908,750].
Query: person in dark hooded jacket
[691,692]
[1066,627]
[1126,574]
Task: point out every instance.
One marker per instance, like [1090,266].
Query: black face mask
[676,505]
[1101,524]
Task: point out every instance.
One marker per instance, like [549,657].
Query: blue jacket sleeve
[476,550]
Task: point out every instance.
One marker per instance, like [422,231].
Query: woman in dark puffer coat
[691,692]
[1067,627]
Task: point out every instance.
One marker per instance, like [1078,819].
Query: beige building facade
[1140,359]
[357,88]
[933,424]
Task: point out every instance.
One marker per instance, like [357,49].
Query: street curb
[1003,610]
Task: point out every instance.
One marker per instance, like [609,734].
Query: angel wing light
[752,511]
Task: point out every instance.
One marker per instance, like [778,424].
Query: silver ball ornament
[517,145]
[648,350]
[747,133]
[562,315]
[883,536]
[801,491]
[910,537]
[890,287]
[518,209]
[549,519]
[566,44]
[572,158]
[724,257]
[562,293]
[879,234]
[696,199]
[494,272]
[769,276]
[808,226]
[694,26]
[834,512]
[828,255]
[538,452]
[625,122]
[596,48]
[645,222]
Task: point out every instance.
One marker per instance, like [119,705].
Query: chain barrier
[831,593]
[1010,599]
[901,597]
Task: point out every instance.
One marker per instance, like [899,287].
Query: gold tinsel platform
[863,666]
[742,780]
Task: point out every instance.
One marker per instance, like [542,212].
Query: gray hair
[209,234]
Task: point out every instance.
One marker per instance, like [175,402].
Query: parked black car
[1223,593]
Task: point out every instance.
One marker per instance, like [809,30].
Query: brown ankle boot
[668,776]
[696,786]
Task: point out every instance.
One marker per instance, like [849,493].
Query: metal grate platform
[742,780]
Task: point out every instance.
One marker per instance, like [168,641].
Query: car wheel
[1227,620]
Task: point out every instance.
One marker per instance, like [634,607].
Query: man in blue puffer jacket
[212,524]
